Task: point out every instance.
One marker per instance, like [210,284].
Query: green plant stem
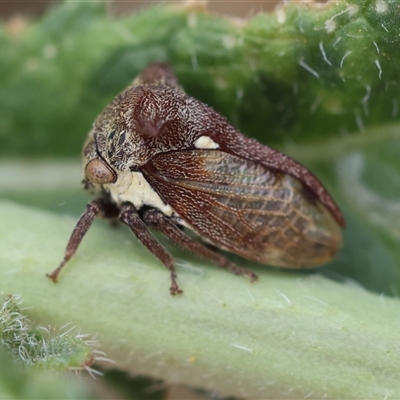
[288,335]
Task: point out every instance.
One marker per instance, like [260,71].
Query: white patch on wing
[205,142]
[133,188]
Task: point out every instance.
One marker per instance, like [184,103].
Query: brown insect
[157,157]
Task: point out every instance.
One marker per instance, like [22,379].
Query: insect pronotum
[159,158]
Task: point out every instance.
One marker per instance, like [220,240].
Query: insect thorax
[132,187]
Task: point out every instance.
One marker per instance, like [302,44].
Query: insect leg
[94,208]
[166,226]
[130,217]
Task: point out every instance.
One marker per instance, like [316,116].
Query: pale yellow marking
[205,142]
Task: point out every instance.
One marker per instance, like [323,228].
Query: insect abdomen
[289,229]
[279,223]
[255,212]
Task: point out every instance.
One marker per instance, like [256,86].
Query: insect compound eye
[97,171]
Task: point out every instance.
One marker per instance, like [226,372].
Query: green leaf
[305,72]
[17,382]
[42,347]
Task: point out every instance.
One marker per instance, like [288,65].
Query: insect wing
[241,206]
[268,157]
[233,142]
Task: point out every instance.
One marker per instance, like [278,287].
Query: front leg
[130,217]
[100,207]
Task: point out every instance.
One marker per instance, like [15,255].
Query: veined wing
[246,208]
